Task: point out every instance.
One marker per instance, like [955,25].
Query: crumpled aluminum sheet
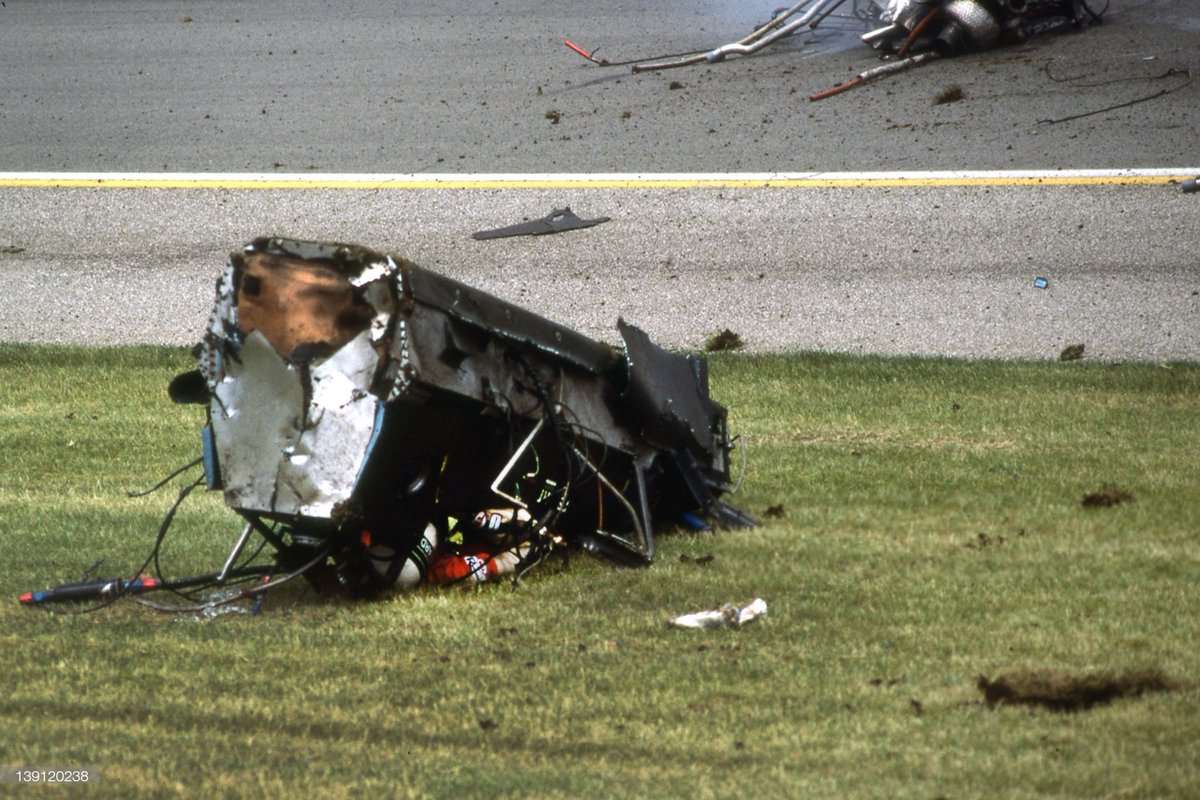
[726,615]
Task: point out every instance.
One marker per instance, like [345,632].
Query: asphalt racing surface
[894,225]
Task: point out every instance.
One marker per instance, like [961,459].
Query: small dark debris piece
[488,724]
[1106,498]
[12,250]
[554,116]
[1062,691]
[675,85]
[699,561]
[1072,352]
[775,512]
[188,387]
[951,94]
[725,340]
[917,706]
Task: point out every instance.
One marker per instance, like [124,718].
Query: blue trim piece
[694,522]
[212,473]
[380,407]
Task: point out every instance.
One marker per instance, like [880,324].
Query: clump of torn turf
[983,540]
[951,94]
[1072,352]
[725,340]
[1106,498]
[1061,691]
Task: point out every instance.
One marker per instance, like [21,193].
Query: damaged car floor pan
[362,407]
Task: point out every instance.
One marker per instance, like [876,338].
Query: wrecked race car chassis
[358,405]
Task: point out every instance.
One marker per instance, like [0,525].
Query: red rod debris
[581,51]
[886,69]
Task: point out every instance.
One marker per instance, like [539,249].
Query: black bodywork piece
[557,221]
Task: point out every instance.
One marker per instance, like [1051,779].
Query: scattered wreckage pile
[907,32]
[378,425]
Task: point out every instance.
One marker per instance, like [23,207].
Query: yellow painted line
[484,182]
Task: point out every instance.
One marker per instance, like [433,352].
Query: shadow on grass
[1064,692]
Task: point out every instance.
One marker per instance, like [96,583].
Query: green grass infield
[982,582]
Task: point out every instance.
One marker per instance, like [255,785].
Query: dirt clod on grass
[725,340]
[1072,352]
[983,540]
[1106,498]
[1062,691]
[888,682]
[775,512]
